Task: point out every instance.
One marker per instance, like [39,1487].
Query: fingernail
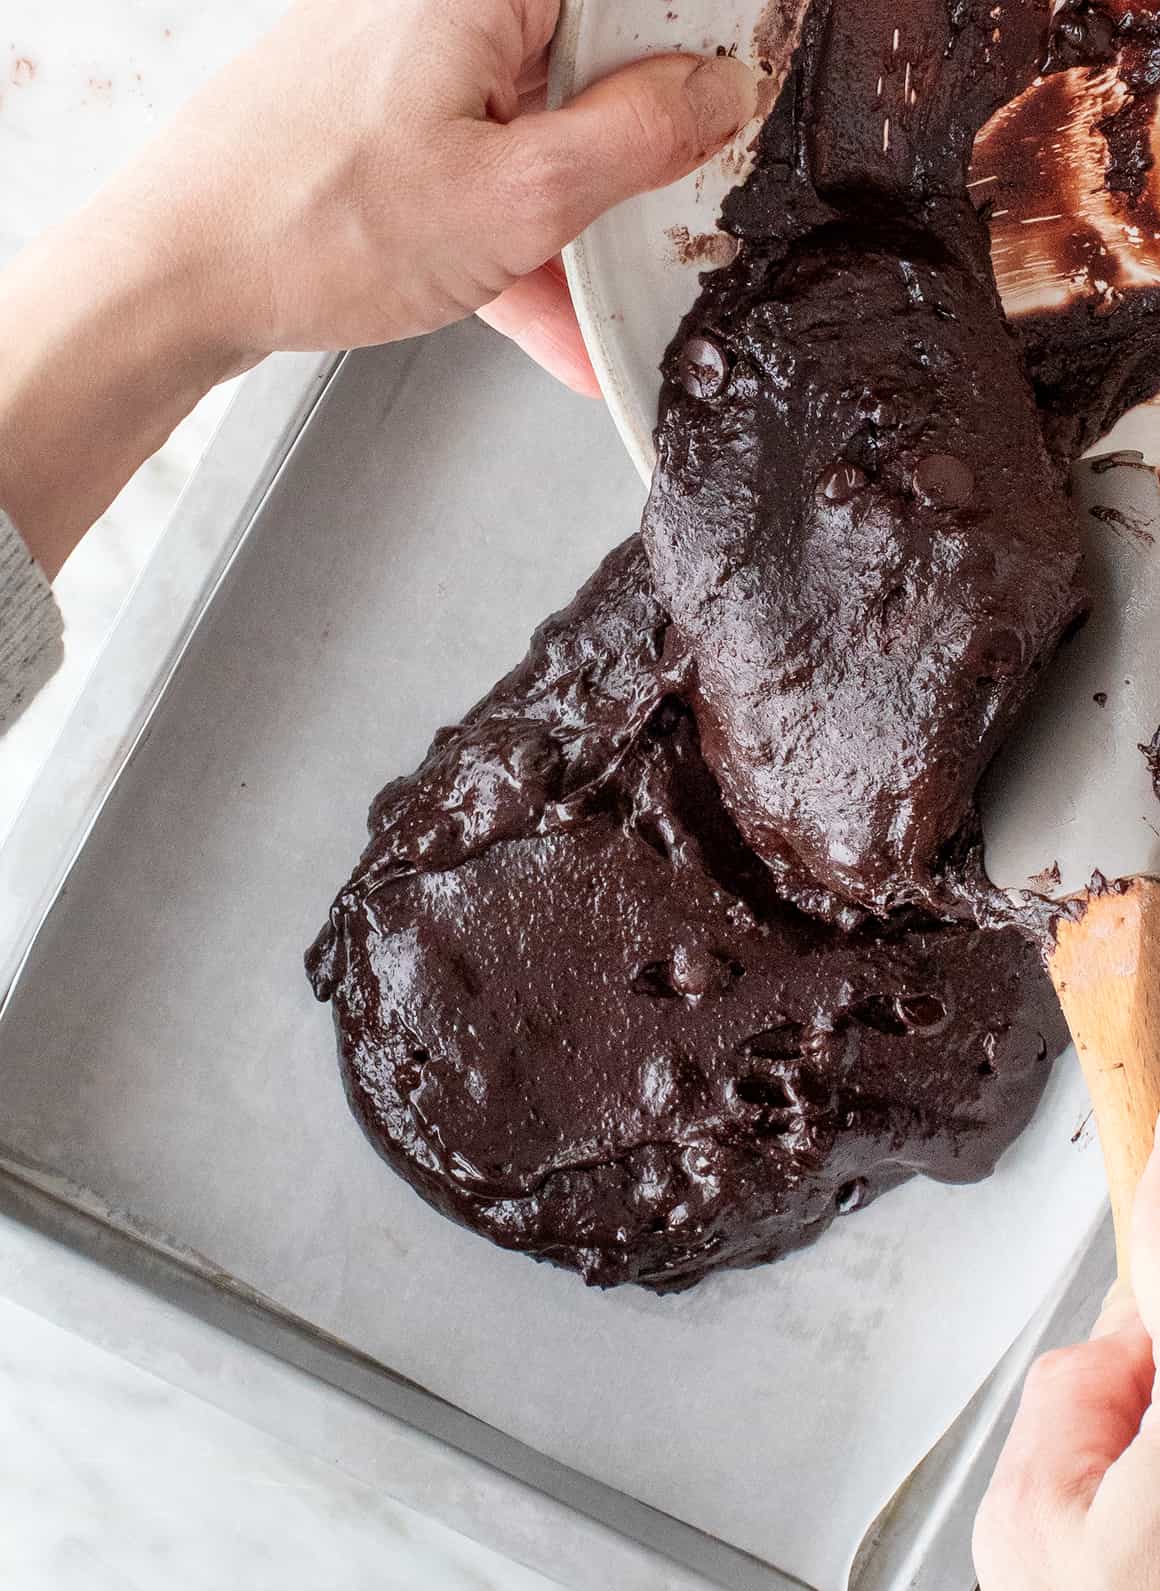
[1119,1311]
[723,94]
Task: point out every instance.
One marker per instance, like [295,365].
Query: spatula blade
[1076,790]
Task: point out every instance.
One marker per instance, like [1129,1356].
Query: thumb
[644,127]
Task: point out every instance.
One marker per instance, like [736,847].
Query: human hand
[1074,1504]
[372,170]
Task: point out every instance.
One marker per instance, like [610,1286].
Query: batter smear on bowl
[665,957]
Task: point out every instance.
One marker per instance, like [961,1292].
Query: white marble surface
[160,1332]
[111,1479]
[117,1475]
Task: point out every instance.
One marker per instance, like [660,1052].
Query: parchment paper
[163,1049]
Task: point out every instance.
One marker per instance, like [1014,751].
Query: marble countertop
[139,1447]
[112,1479]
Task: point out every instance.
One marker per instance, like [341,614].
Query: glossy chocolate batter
[856,521]
[670,953]
[575,1014]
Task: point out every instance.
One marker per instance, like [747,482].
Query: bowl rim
[596,327]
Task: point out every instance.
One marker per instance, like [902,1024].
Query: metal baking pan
[158,1023]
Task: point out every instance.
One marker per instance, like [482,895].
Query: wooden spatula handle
[1106,970]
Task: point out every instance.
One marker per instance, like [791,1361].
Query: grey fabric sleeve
[31,627]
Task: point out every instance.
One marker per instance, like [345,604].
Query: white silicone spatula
[1071,810]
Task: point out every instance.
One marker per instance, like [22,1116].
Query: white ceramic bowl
[634,274]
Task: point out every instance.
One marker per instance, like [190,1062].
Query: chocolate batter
[671,952]
[858,525]
[1151,754]
[575,1014]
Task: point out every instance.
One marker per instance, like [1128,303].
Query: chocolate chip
[922,1013]
[696,972]
[880,1012]
[780,1043]
[1082,34]
[944,481]
[655,980]
[851,1196]
[704,368]
[764,1092]
[840,482]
